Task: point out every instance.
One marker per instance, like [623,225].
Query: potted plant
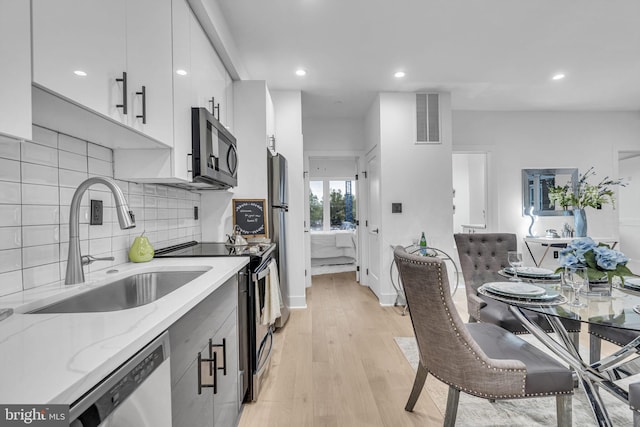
[585,195]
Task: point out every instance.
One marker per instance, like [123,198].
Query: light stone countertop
[56,358]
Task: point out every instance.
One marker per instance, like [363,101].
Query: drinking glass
[578,278]
[515,260]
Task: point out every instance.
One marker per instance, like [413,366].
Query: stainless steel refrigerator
[278,203]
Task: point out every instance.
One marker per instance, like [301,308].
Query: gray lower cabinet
[204,353]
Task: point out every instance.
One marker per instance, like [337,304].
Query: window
[336,212]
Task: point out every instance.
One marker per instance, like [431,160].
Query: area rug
[476,412]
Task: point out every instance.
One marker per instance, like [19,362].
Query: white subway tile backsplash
[9,148]
[10,192]
[10,282]
[38,255]
[9,170]
[40,215]
[39,154]
[10,237]
[10,215]
[72,161]
[135,188]
[100,246]
[37,182]
[10,260]
[36,194]
[64,232]
[41,275]
[99,152]
[73,145]
[39,174]
[71,179]
[34,235]
[44,136]
[100,167]
[100,231]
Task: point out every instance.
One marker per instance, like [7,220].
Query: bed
[335,247]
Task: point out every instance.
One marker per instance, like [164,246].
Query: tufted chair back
[446,348]
[482,255]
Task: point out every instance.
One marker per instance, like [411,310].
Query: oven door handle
[260,275]
[262,361]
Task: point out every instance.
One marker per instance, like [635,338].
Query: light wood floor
[336,363]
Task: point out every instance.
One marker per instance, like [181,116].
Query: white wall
[333,134]
[519,140]
[289,143]
[629,210]
[417,175]
[250,130]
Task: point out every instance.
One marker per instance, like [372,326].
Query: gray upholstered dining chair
[482,255]
[480,359]
[617,336]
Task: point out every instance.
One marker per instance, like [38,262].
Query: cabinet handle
[144,105]
[123,80]
[224,355]
[217,108]
[209,361]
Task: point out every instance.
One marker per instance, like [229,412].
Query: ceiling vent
[427,118]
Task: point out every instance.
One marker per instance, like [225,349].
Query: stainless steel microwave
[215,152]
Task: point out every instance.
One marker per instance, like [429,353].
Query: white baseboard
[297,302]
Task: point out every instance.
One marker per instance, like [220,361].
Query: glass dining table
[620,310]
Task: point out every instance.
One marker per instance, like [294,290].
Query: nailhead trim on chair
[473,392]
[607,339]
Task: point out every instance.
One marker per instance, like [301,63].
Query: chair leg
[418,383]
[636,418]
[452,407]
[575,339]
[472,319]
[563,410]
[595,348]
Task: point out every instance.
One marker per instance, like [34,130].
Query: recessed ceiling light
[80,73]
[301,72]
[399,74]
[558,76]
[181,72]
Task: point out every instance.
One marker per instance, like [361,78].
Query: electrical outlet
[555,254]
[96,212]
[396,207]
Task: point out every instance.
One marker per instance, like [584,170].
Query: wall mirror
[535,189]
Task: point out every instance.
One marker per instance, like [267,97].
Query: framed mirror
[535,186]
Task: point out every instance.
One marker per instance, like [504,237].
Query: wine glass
[578,278]
[515,260]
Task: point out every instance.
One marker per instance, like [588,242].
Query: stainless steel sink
[132,291]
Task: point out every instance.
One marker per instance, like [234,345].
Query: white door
[373,224]
[469,192]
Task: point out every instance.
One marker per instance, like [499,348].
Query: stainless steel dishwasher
[136,394]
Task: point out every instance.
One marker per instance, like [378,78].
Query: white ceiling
[490,54]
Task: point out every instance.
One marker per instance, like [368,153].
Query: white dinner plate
[515,289]
[531,271]
[632,282]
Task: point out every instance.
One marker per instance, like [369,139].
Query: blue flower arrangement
[599,259]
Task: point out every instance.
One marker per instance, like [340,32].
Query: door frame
[360,206]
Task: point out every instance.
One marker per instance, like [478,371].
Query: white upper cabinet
[15,74]
[117,47]
[149,67]
[79,52]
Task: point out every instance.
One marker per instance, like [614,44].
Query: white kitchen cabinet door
[15,75]
[208,71]
[184,97]
[86,36]
[149,65]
